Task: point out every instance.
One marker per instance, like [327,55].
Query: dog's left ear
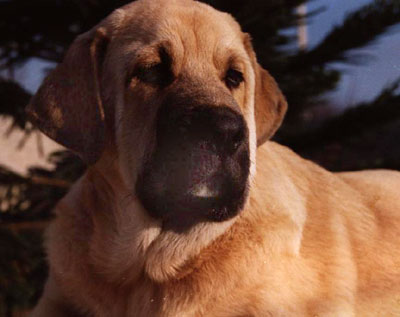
[68,106]
[269,103]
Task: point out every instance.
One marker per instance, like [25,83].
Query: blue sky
[359,83]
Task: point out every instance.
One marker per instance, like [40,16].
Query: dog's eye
[233,78]
[156,74]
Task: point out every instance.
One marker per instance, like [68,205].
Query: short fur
[307,243]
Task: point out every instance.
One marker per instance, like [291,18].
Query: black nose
[199,168]
[218,125]
[228,126]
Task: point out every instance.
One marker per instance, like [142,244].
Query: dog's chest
[178,299]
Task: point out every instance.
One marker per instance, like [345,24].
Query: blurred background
[337,62]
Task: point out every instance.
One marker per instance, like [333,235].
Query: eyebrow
[153,53]
[235,60]
[148,56]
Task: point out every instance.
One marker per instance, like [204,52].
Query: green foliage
[13,99]
[353,122]
[22,268]
[360,28]
[45,28]
[31,197]
[25,206]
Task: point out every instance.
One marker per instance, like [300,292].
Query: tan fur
[307,243]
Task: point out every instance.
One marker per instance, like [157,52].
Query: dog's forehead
[187,21]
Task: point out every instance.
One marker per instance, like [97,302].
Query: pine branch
[22,268]
[359,29]
[355,121]
[13,99]
[45,28]
[32,197]
[25,208]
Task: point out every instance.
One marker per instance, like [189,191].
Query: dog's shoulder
[379,191]
[379,179]
[379,188]
[279,160]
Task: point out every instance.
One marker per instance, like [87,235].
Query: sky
[359,83]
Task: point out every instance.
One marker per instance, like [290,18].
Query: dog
[186,208]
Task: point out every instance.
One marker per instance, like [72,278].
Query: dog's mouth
[195,174]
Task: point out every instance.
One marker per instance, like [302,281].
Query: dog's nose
[200,165]
[220,126]
[228,126]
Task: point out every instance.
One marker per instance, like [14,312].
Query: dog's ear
[269,103]
[68,106]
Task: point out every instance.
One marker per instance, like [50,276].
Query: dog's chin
[183,188]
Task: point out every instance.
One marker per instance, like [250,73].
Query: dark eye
[158,74]
[233,78]
[152,74]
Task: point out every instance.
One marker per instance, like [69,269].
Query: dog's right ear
[68,106]
[269,103]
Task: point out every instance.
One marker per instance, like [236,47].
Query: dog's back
[349,233]
[377,248]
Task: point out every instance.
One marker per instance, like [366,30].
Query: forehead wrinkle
[226,50]
[195,35]
[200,36]
[210,45]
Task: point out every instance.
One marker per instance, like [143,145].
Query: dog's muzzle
[200,166]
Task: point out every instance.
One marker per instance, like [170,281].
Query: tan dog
[165,101]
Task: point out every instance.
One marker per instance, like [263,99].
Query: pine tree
[45,28]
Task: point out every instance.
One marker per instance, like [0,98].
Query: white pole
[302,35]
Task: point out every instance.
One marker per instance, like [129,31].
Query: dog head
[173,89]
